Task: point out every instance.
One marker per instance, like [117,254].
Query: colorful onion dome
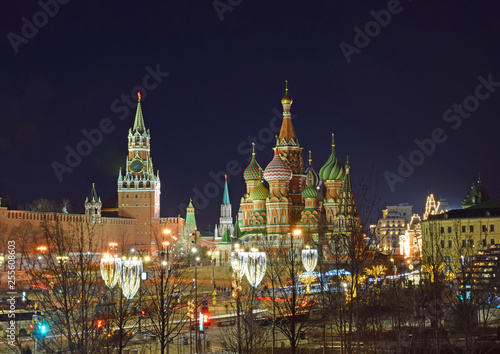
[260,192]
[310,192]
[286,99]
[311,175]
[277,170]
[332,170]
[253,172]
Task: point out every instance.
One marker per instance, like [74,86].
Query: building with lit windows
[392,226]
[469,231]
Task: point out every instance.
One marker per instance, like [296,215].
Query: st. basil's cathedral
[298,204]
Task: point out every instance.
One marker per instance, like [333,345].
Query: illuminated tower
[347,217]
[259,218]
[278,205]
[190,223]
[309,215]
[225,220]
[332,173]
[290,151]
[252,176]
[93,205]
[139,186]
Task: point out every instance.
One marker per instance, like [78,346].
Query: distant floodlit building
[392,226]
[470,231]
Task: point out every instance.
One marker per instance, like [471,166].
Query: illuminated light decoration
[255,267]
[431,207]
[130,277]
[308,278]
[340,273]
[238,263]
[110,270]
[309,259]
[139,95]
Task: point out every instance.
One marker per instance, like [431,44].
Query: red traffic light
[206,319]
[143,313]
[99,324]
[31,327]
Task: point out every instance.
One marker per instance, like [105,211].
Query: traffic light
[43,328]
[99,324]
[143,313]
[206,319]
[190,309]
[32,327]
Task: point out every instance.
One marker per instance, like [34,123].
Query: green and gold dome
[310,192]
[260,192]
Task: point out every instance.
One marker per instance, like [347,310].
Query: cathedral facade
[298,203]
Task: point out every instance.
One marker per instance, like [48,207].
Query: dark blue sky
[226,80]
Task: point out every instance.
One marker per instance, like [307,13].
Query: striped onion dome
[253,170]
[260,192]
[332,170]
[277,170]
[310,192]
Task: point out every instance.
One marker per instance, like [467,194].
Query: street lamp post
[42,250]
[194,250]
[214,254]
[143,276]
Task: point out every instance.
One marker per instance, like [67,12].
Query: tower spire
[139,119]
[310,158]
[287,136]
[225,198]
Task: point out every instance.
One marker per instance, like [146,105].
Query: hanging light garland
[255,267]
[130,277]
[110,270]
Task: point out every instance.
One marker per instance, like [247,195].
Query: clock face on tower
[136,166]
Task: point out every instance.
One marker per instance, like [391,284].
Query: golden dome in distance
[286,99]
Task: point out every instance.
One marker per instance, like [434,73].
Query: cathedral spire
[139,119]
[287,136]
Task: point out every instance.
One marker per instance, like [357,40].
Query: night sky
[69,69]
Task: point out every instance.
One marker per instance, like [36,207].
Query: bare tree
[68,286]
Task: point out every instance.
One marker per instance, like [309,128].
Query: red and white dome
[277,170]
